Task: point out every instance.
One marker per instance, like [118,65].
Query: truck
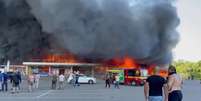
[127,76]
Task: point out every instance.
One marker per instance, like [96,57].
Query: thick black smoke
[95,29]
[20,32]
[143,29]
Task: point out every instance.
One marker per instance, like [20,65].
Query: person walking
[54,81]
[154,87]
[116,83]
[61,81]
[174,85]
[107,81]
[5,82]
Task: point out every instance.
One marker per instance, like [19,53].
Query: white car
[83,79]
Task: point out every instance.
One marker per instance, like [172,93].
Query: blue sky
[189,47]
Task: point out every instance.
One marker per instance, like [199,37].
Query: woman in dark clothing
[174,85]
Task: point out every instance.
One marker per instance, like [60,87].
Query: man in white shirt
[61,81]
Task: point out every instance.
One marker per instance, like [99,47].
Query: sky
[189,47]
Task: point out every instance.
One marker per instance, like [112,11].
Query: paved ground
[97,92]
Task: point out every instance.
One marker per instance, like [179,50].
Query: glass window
[133,72]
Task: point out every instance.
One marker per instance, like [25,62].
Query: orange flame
[126,62]
[129,62]
[162,72]
[64,58]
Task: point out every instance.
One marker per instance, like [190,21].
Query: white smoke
[143,29]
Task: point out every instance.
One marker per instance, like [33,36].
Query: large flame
[129,62]
[162,72]
[125,62]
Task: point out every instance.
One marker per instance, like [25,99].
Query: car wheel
[91,82]
[133,83]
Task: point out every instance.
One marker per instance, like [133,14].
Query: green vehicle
[119,72]
[127,76]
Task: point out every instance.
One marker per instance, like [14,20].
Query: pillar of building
[50,70]
[26,70]
[29,70]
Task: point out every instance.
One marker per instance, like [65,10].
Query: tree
[188,70]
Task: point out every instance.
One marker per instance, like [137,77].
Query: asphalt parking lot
[96,92]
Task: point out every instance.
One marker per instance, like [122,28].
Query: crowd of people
[15,80]
[60,80]
[156,87]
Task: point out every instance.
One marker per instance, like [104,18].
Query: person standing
[107,81]
[116,81]
[1,80]
[77,78]
[174,85]
[36,80]
[61,81]
[71,79]
[20,79]
[5,82]
[15,83]
[54,81]
[154,87]
[30,82]
[74,79]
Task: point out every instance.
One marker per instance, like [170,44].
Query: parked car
[83,79]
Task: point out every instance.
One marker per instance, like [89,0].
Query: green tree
[188,69]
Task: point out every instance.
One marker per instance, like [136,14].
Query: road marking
[49,91]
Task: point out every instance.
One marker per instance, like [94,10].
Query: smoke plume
[142,29]
[20,32]
[94,29]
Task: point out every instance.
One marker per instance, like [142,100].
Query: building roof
[58,64]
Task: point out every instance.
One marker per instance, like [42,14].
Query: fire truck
[133,77]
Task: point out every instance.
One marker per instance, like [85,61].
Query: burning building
[94,31]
